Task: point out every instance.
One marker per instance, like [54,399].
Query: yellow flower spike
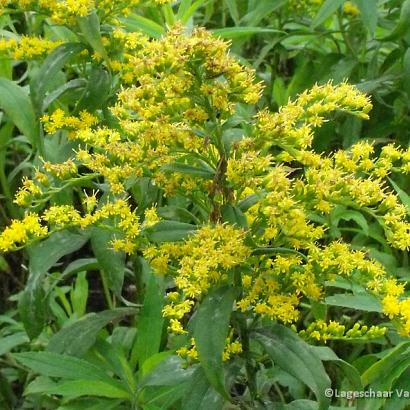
[19,233]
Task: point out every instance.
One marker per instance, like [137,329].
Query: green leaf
[90,29]
[54,62]
[367,303]
[79,295]
[32,309]
[379,370]
[200,394]
[206,173]
[233,10]
[183,7]
[133,22]
[76,338]
[382,374]
[87,404]
[168,372]
[341,213]
[6,68]
[279,91]
[369,14]
[17,105]
[404,197]
[153,361]
[186,13]
[210,332]
[97,91]
[57,93]
[169,231]
[295,356]
[403,25]
[8,343]
[114,358]
[406,71]
[150,324]
[237,32]
[177,213]
[261,11]
[43,256]
[83,264]
[326,354]
[111,262]
[327,9]
[79,388]
[168,14]
[233,215]
[248,202]
[58,365]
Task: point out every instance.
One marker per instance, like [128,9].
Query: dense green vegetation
[204,204]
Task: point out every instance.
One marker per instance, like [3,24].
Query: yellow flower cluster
[264,296]
[304,6]
[21,232]
[351,9]
[232,348]
[27,192]
[181,82]
[322,331]
[59,120]
[396,306]
[65,12]
[202,261]
[284,217]
[292,127]
[248,170]
[57,217]
[162,2]
[170,127]
[277,286]
[27,47]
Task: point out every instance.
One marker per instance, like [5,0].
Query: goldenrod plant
[183,245]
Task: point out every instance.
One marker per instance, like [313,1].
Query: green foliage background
[81,326]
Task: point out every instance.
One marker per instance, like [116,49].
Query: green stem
[244,335]
[345,36]
[106,289]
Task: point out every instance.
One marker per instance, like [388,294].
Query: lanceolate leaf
[382,374]
[295,356]
[110,261]
[7,343]
[16,103]
[63,366]
[79,388]
[405,198]
[169,231]
[42,257]
[90,29]
[51,66]
[97,90]
[168,372]
[210,332]
[206,173]
[45,254]
[78,337]
[150,323]
[368,13]
[201,395]
[139,23]
[236,32]
[368,303]
[327,9]
[326,354]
